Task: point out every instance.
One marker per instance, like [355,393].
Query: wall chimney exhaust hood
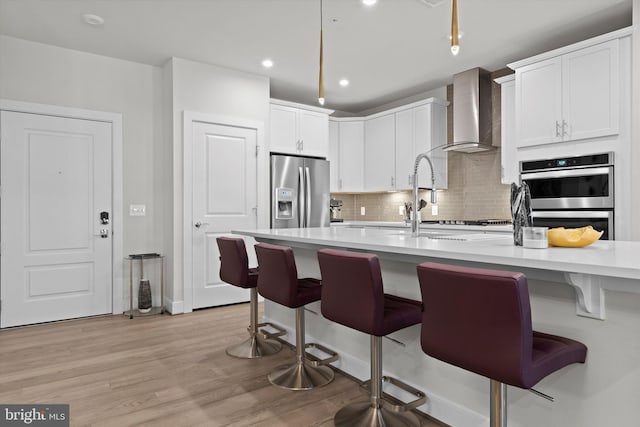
[471,112]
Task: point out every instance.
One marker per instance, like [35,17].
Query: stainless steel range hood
[471,112]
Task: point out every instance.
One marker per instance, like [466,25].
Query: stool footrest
[391,402]
[271,335]
[314,360]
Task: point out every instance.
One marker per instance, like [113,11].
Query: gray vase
[520,210]
[144,296]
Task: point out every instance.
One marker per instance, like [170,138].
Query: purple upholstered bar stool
[234,269]
[278,281]
[353,295]
[480,320]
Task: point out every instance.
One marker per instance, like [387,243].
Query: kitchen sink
[466,237]
[469,237]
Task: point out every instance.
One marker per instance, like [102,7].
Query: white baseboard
[173,307]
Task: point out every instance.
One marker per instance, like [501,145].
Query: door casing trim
[116,178]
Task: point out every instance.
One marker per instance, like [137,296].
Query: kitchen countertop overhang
[603,265]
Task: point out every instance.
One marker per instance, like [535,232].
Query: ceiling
[395,49]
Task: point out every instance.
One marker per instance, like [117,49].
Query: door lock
[104,217]
[104,233]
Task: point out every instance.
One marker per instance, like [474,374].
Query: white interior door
[56,260]
[224,199]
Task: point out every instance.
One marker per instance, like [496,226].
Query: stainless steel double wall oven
[572,192]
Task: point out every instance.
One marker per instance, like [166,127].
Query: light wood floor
[159,371]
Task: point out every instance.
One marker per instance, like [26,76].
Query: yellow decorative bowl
[573,237]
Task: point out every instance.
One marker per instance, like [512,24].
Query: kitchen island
[589,294]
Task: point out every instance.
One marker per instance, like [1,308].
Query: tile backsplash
[474,192]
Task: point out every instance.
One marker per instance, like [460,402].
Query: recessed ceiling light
[369,2]
[344,82]
[267,63]
[92,19]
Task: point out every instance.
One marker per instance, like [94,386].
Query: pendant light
[455,44]
[320,77]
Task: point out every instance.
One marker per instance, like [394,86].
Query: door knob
[104,233]
[200,224]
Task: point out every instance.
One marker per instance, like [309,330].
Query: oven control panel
[604,159]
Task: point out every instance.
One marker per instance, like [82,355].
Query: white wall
[208,89]
[635,131]
[44,74]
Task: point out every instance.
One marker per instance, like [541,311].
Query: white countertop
[603,258]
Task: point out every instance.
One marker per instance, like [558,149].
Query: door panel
[58,191]
[56,179]
[224,199]
[318,186]
[286,172]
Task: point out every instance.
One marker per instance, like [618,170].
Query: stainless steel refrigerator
[299,192]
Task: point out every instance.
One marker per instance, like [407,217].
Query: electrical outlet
[434,210]
[401,210]
[362,210]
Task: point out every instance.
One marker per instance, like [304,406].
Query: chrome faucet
[415,224]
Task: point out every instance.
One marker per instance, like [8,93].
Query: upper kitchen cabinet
[334,156]
[299,129]
[419,129]
[346,147]
[379,153]
[569,94]
[508,154]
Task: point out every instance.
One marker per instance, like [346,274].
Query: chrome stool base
[259,343]
[254,348]
[305,373]
[301,376]
[365,414]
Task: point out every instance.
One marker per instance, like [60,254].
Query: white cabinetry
[568,97]
[421,129]
[295,130]
[334,156]
[508,152]
[379,154]
[346,149]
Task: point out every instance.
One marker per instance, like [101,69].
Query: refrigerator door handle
[307,191]
[301,200]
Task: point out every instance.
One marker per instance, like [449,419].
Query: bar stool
[234,269]
[353,295]
[480,320]
[278,281]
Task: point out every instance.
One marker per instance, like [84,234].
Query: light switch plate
[137,210]
[362,210]
[434,209]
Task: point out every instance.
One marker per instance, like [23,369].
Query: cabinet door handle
[340,183]
[409,179]
[302,145]
[557,128]
[392,184]
[565,125]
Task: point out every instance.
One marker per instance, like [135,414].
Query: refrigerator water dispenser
[284,200]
